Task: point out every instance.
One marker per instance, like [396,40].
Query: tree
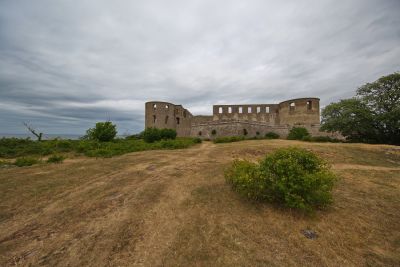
[103,132]
[373,116]
[33,131]
[382,97]
[352,119]
[298,133]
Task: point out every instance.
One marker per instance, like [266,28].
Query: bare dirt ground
[173,208]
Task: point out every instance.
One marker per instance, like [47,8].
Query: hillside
[174,208]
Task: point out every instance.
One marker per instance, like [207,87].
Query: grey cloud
[65,65]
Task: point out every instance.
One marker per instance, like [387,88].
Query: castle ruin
[234,120]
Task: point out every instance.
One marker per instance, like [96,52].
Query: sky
[65,65]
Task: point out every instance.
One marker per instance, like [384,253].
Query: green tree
[352,119]
[382,98]
[373,116]
[298,133]
[103,132]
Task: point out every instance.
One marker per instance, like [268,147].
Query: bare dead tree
[33,131]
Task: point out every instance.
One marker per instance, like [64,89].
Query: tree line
[371,116]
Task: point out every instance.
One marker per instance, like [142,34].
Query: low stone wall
[253,129]
[235,128]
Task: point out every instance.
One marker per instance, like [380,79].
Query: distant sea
[45,136]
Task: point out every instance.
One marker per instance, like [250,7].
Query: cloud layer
[65,65]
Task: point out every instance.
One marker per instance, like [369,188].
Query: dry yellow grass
[173,208]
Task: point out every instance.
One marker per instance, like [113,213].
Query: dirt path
[344,166]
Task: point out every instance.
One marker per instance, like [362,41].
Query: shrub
[26,161]
[197,140]
[167,134]
[298,133]
[294,177]
[55,159]
[103,132]
[213,132]
[151,135]
[228,139]
[271,135]
[245,178]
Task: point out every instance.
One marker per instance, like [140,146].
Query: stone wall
[167,115]
[233,120]
[299,111]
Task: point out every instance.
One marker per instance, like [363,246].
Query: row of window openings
[155,106]
[166,119]
[249,110]
[292,106]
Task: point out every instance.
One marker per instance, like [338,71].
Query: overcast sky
[66,64]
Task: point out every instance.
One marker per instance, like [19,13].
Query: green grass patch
[14,147]
[55,159]
[26,161]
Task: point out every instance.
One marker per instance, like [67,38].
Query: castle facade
[233,120]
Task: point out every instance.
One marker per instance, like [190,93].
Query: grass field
[173,208]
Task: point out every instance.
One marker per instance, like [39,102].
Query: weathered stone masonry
[233,120]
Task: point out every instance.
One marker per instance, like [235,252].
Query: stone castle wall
[233,120]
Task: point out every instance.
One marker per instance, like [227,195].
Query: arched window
[155,106]
[258,109]
[229,109]
[177,120]
[240,109]
[220,110]
[267,109]
[248,109]
[166,119]
[200,133]
[154,119]
[166,106]
[184,113]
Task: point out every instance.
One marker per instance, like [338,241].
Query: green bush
[228,139]
[103,132]
[168,134]
[294,177]
[197,140]
[298,133]
[151,135]
[26,161]
[271,135]
[245,178]
[55,159]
